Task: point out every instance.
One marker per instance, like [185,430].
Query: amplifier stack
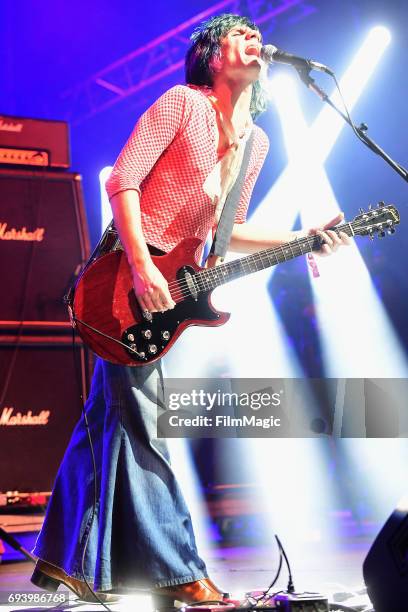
[43,245]
[34,142]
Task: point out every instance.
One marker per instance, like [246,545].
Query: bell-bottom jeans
[141,535]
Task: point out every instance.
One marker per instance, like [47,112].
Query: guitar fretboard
[206,280]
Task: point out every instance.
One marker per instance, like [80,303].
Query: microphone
[270,54]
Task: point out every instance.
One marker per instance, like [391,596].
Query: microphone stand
[304,74]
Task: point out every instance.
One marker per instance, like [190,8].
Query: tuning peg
[391,230]
[381,234]
[371,236]
[381,204]
[361,211]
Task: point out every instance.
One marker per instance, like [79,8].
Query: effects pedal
[301,602]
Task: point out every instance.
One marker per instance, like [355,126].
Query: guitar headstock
[376,221]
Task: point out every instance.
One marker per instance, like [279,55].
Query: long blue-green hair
[205,47]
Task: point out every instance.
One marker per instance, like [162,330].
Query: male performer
[169,182]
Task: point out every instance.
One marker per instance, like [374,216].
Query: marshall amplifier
[34,142]
[43,242]
[41,384]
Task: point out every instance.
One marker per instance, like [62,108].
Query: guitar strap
[226,223]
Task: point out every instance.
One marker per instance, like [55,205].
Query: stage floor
[240,569]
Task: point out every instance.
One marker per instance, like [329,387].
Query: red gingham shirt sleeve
[151,136]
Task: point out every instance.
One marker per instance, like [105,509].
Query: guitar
[104,309]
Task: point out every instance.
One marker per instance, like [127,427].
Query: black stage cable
[348,112]
[291,586]
[78,376]
[26,283]
[275,579]
[66,607]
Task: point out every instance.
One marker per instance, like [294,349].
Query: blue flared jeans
[141,535]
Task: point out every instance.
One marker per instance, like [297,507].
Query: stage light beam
[106,211]
[307,150]
[352,85]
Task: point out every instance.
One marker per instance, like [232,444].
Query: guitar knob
[165,335]
[131,337]
[147,315]
[146,333]
[152,348]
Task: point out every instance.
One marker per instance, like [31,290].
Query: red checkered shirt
[168,156]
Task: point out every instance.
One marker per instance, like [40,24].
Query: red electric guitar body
[104,300]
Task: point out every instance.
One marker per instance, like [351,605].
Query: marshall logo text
[8,419]
[10,126]
[36,235]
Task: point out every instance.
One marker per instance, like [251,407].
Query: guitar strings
[260,260]
[177,287]
[258,257]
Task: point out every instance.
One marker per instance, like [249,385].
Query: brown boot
[200,591]
[49,577]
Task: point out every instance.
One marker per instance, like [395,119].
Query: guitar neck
[214,277]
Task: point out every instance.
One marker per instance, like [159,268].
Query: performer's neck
[234,99]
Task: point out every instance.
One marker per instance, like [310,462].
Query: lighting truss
[164,56]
